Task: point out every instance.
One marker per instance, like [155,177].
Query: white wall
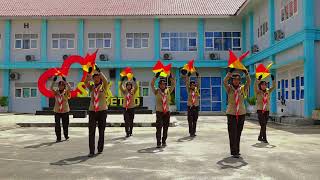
[180,25]
[261,15]
[139,26]
[17,27]
[99,26]
[292,53]
[223,25]
[57,27]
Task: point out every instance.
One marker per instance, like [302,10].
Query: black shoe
[90,155]
[58,140]
[265,141]
[99,152]
[194,135]
[260,138]
[164,144]
[236,156]
[158,145]
[128,135]
[67,138]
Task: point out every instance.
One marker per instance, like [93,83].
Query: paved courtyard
[293,153]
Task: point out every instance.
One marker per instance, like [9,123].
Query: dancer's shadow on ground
[185,139]
[150,150]
[263,145]
[42,145]
[71,161]
[232,163]
[119,139]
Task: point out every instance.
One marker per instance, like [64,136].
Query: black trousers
[128,116]
[193,114]
[65,124]
[263,120]
[162,122]
[94,119]
[235,129]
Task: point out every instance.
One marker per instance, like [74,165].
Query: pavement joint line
[86,165]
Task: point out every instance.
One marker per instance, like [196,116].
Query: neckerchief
[265,101]
[237,101]
[193,97]
[96,97]
[59,98]
[128,98]
[164,101]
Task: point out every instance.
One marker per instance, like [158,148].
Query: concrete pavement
[293,153]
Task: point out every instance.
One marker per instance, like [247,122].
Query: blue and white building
[37,34]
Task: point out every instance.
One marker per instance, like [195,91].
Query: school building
[36,35]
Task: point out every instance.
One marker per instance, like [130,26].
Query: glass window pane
[183,44]
[26,44]
[129,43]
[192,42]
[99,35]
[70,44]
[129,35]
[216,106]
[63,43]
[56,36]
[165,34]
[215,81]
[183,94]
[92,43]
[34,36]
[18,93]
[205,82]
[55,43]
[145,92]
[302,81]
[236,42]
[293,94]
[26,92]
[145,35]
[302,94]
[216,93]
[33,92]
[165,43]
[174,44]
[18,36]
[236,34]
[145,43]
[227,44]
[287,83]
[209,43]
[63,35]
[292,82]
[184,34]
[107,43]
[91,35]
[26,36]
[137,35]
[218,44]
[99,43]
[217,34]
[107,35]
[205,94]
[208,34]
[226,34]
[34,44]
[137,43]
[174,34]
[205,105]
[18,44]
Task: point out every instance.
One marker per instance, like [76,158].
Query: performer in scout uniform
[162,94]
[97,109]
[128,104]
[61,107]
[193,103]
[236,110]
[263,105]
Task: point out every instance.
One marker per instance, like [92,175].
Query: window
[26,92]
[223,41]
[99,40]
[288,9]
[137,40]
[179,41]
[293,94]
[292,82]
[26,41]
[263,29]
[144,89]
[63,41]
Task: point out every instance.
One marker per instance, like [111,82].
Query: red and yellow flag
[235,62]
[190,66]
[90,60]
[159,67]
[262,70]
[127,72]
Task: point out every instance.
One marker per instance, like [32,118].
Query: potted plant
[3,104]
[251,108]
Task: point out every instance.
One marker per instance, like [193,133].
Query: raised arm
[226,79]
[256,85]
[187,80]
[154,90]
[88,78]
[68,87]
[248,80]
[173,84]
[52,85]
[135,85]
[104,79]
[121,86]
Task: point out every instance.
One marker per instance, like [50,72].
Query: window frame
[188,41]
[30,94]
[283,7]
[141,38]
[103,39]
[22,41]
[67,40]
[213,41]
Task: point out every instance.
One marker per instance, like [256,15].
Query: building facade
[285,32]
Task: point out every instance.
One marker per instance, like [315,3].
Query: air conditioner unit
[278,35]
[255,48]
[14,76]
[214,56]
[167,56]
[64,57]
[30,58]
[103,57]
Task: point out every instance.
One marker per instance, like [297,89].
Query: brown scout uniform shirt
[124,92]
[259,94]
[197,93]
[167,93]
[65,98]
[231,109]
[102,95]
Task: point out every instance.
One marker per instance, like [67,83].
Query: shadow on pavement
[232,163]
[264,145]
[71,161]
[150,150]
[118,138]
[184,139]
[42,145]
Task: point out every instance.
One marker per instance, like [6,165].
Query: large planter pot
[251,109]
[316,114]
[173,108]
[3,109]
